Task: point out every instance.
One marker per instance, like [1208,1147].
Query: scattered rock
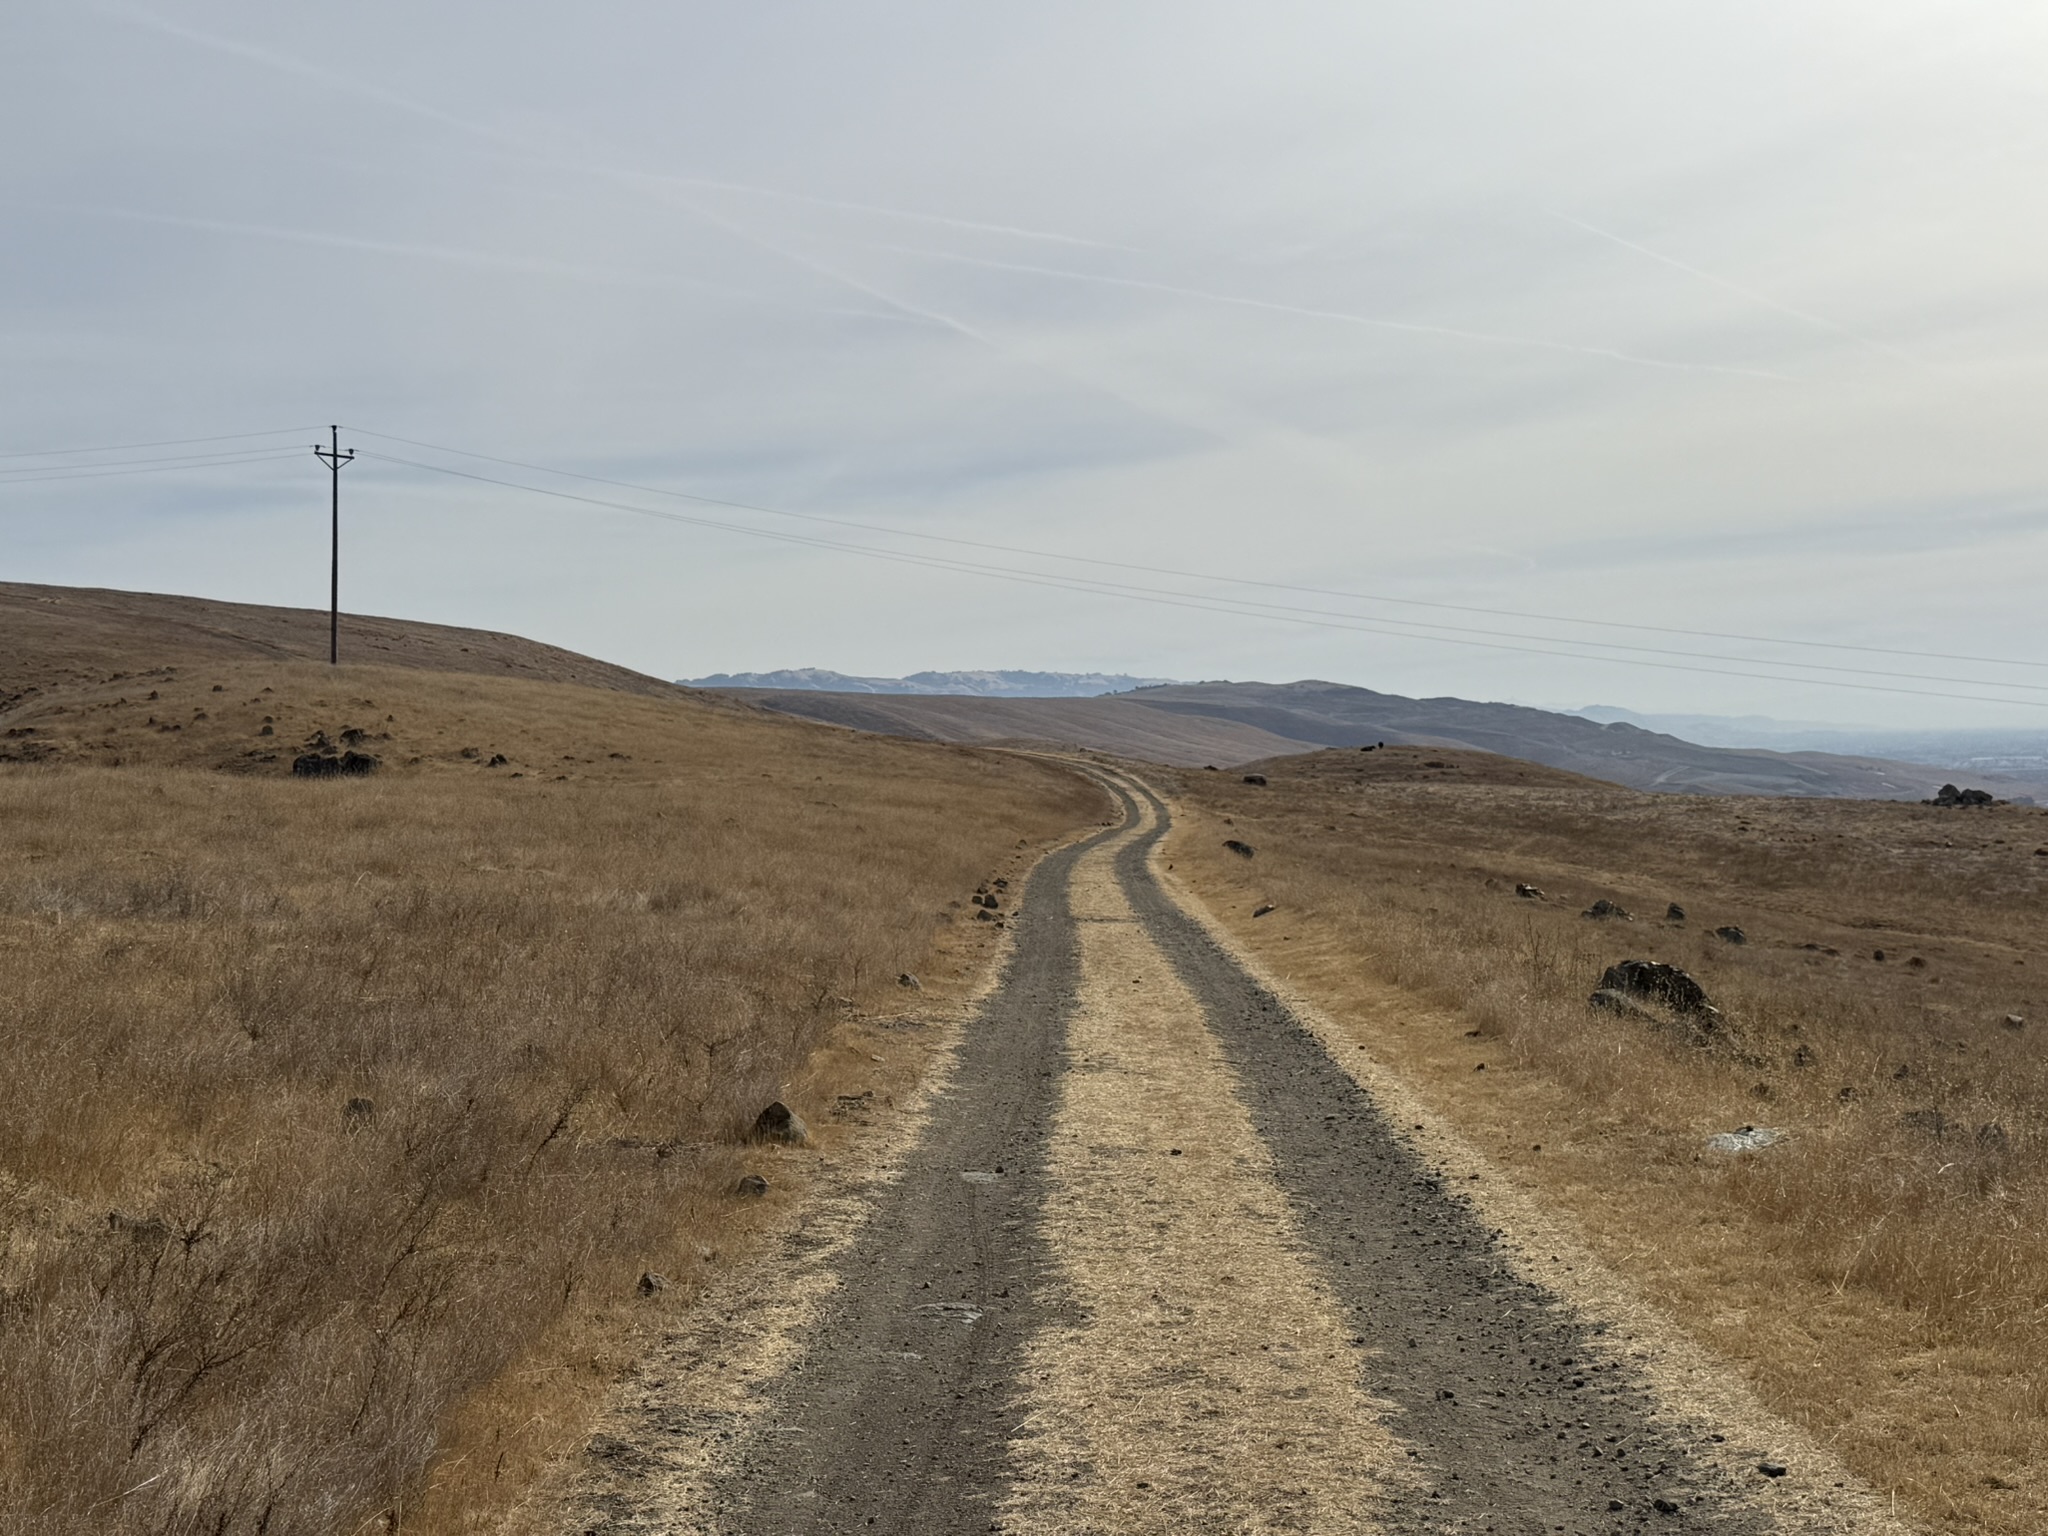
[1255,778]
[1877,955]
[751,1185]
[1750,1138]
[1770,1469]
[778,1122]
[1528,892]
[268,730]
[1915,963]
[650,1283]
[498,760]
[1242,850]
[329,764]
[1603,908]
[905,979]
[982,915]
[1664,1506]
[2015,1021]
[1949,795]
[1000,884]
[1731,933]
[1674,913]
[358,1112]
[1263,908]
[1658,982]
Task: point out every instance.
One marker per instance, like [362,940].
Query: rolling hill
[1226,724]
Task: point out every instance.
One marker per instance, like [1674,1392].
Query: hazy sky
[1724,318]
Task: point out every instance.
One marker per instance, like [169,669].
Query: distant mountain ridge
[977,685]
[1224,724]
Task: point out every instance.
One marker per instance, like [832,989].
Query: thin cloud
[532,153]
[1344,317]
[1821,322]
[456,256]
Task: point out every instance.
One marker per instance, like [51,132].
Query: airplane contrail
[1763,299]
[532,153]
[1347,317]
[458,256]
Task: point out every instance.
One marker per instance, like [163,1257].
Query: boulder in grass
[1527,891]
[778,1122]
[1654,981]
[1242,850]
[1603,908]
[1255,778]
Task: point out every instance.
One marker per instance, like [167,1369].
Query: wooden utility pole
[334,458]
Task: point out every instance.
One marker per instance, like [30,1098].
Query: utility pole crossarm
[333,457]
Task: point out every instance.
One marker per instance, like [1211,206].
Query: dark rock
[1000,884]
[268,730]
[1949,795]
[359,1112]
[1877,954]
[1603,908]
[1731,933]
[1255,778]
[1664,1506]
[328,764]
[1770,1469]
[905,979]
[751,1185]
[1263,908]
[983,915]
[1242,850]
[1674,913]
[650,1283]
[778,1122]
[1657,982]
[498,760]
[1528,892]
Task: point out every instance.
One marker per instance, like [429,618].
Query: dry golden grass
[1882,1275]
[342,1117]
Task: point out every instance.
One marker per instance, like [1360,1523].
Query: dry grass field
[342,1117]
[1881,1274]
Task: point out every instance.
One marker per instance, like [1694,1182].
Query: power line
[263,457]
[112,464]
[169,442]
[1234,607]
[1274,586]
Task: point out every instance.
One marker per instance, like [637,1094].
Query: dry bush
[1901,1231]
[326,1103]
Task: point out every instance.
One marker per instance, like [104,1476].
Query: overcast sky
[1726,319]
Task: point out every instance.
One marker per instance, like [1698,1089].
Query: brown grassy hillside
[58,637]
[1882,1273]
[343,1116]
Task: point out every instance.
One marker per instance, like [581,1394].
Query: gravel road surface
[1156,1262]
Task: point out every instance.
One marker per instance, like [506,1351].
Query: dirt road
[1154,1260]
